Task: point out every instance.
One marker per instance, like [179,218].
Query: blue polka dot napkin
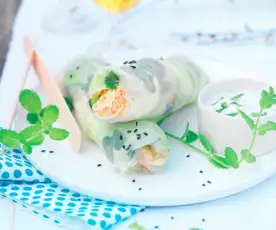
[21,183]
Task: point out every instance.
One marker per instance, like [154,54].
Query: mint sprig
[111,80]
[231,159]
[41,120]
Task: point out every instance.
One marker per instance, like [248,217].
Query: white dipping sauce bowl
[223,130]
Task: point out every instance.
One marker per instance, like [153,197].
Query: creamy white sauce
[228,103]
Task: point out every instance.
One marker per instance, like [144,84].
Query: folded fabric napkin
[21,183]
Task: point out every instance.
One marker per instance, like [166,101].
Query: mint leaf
[191,136]
[206,143]
[69,103]
[58,134]
[30,101]
[269,126]
[231,157]
[219,162]
[247,119]
[248,156]
[36,140]
[49,114]
[27,149]
[111,80]
[267,100]
[32,118]
[9,138]
[30,132]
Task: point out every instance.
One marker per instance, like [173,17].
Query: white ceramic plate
[187,178]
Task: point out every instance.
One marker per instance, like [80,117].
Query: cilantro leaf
[206,143]
[30,101]
[9,138]
[269,126]
[191,136]
[248,156]
[32,118]
[69,103]
[49,114]
[247,119]
[111,80]
[219,162]
[231,157]
[58,134]
[27,149]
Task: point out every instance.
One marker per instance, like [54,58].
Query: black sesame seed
[203,185]
[99,165]
[201,171]
[121,137]
[125,62]
[70,75]
[156,226]
[78,67]
[140,189]
[172,218]
[146,134]
[43,151]
[132,62]
[209,182]
[203,220]
[124,147]
[129,131]
[188,156]
[128,147]
[51,151]
[138,135]
[132,66]
[133,181]
[136,123]
[138,138]
[135,130]
[161,58]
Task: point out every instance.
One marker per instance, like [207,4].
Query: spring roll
[145,89]
[128,146]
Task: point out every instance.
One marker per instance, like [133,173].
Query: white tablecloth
[254,209]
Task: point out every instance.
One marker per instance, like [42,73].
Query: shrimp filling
[111,102]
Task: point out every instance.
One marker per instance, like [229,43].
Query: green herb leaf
[247,119]
[69,103]
[30,131]
[49,114]
[191,137]
[267,100]
[33,118]
[248,156]
[93,100]
[255,114]
[58,134]
[36,140]
[30,101]
[111,80]
[231,157]
[219,162]
[9,138]
[27,149]
[269,126]
[206,143]
[232,114]
[186,131]
[271,91]
[136,226]
[223,107]
[237,96]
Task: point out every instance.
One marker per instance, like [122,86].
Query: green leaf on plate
[36,140]
[136,226]
[219,162]
[237,96]
[30,101]
[231,157]
[49,114]
[247,119]
[248,156]
[30,132]
[269,126]
[232,114]
[267,100]
[206,143]
[191,137]
[9,138]
[58,134]
[27,149]
[111,80]
[32,118]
